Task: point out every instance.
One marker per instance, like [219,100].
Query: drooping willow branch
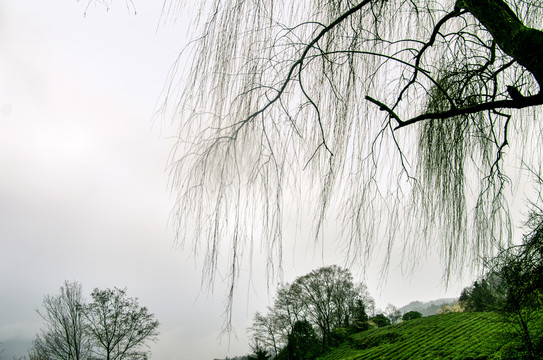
[300,62]
[426,46]
[438,54]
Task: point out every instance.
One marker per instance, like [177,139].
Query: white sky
[83,181]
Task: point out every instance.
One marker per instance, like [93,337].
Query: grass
[462,336]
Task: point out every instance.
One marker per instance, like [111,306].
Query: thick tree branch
[522,43]
[491,105]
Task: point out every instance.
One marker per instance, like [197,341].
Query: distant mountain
[427,308]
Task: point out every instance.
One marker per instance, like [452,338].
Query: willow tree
[398,119]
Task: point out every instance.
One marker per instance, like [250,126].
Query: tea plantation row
[459,336]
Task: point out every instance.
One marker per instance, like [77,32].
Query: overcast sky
[83,181]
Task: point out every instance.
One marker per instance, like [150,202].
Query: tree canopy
[380,115]
[314,306]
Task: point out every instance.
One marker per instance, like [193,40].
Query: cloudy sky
[84,183]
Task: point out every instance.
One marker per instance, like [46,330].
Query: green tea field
[448,336]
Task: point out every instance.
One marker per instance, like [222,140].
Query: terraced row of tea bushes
[448,336]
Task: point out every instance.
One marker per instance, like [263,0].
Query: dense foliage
[303,343]
[411,315]
[380,320]
[484,294]
[315,312]
[513,287]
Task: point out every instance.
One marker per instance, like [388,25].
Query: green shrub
[338,336]
[381,320]
[411,315]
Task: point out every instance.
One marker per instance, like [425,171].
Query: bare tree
[64,335]
[288,308]
[328,294]
[118,326]
[272,331]
[266,332]
[393,314]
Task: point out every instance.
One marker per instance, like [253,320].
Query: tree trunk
[522,43]
[525,334]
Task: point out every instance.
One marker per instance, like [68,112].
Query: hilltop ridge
[427,308]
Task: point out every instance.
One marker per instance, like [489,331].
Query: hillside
[447,336]
[427,308]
